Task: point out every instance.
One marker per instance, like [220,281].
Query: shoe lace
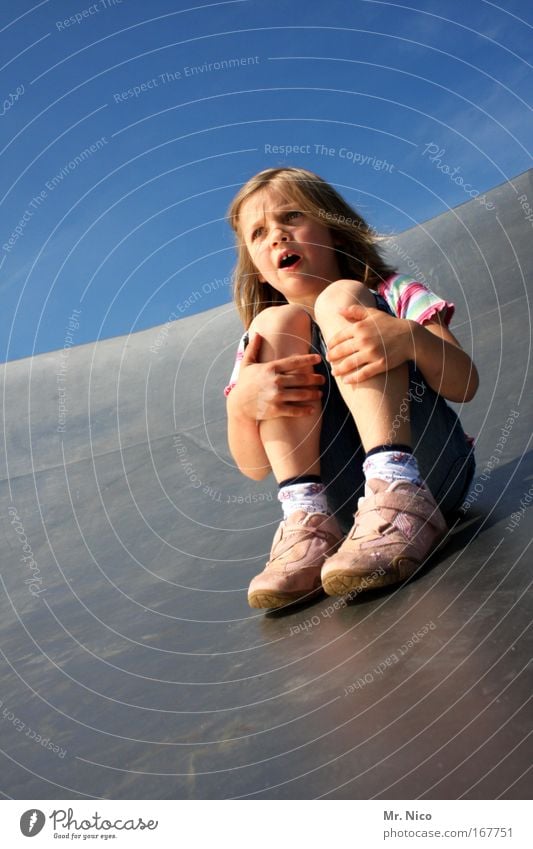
[295,534]
[304,533]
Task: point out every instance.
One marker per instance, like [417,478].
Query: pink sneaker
[396,526]
[300,547]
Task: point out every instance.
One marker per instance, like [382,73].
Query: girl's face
[291,251]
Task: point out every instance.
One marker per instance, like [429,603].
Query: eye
[294,213]
[257,232]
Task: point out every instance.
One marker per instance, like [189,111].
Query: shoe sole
[265,600]
[401,568]
[341,583]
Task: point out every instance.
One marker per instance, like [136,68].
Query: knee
[342,293]
[286,318]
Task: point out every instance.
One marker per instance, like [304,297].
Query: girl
[340,381]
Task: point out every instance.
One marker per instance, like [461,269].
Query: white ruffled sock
[303,494]
[393,466]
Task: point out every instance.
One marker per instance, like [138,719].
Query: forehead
[264,202]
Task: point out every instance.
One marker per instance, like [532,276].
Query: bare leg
[291,443]
[305,538]
[375,403]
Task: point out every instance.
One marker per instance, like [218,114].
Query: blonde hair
[358,255]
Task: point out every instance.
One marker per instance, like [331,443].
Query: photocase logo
[32,822]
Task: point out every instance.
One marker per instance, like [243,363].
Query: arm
[284,387]
[375,341]
[445,366]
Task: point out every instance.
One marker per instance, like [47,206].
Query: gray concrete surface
[132,667]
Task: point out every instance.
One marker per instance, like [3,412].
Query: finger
[365,373]
[294,411]
[340,336]
[301,395]
[296,362]
[251,353]
[355,312]
[342,349]
[300,380]
[349,364]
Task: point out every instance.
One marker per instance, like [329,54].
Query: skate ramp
[131,665]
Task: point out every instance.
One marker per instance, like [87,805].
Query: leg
[291,444]
[398,522]
[375,403]
[306,536]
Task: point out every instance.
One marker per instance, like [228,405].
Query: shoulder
[344,283]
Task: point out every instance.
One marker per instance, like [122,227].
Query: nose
[278,235]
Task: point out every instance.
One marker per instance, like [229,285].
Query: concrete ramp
[131,665]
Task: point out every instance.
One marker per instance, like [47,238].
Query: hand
[373,343]
[284,387]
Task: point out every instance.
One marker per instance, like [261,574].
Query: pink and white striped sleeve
[408,298]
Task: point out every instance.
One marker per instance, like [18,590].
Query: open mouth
[289,260]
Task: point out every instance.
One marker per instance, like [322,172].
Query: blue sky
[127,127]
